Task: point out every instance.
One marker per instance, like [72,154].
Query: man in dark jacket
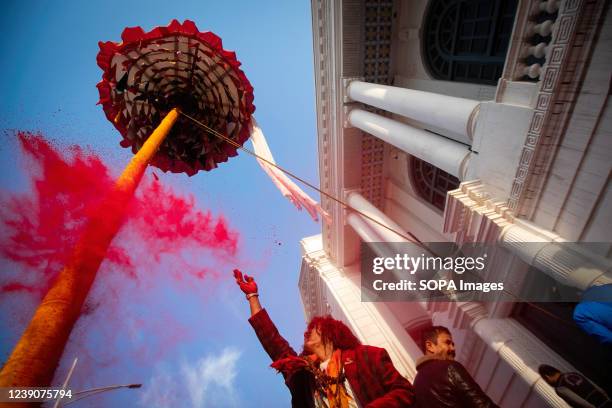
[577,390]
[335,370]
[442,382]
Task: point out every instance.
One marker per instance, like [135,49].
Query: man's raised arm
[267,333]
[249,287]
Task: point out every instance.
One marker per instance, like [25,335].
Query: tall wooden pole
[35,357]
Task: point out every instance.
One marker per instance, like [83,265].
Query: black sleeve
[468,390]
[574,400]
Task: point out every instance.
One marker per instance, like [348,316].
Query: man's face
[444,346]
[312,340]
[552,379]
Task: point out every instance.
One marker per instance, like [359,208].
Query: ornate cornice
[558,90]
[311,289]
[322,27]
[473,216]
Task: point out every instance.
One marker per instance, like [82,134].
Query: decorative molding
[519,47]
[346,111]
[568,52]
[312,293]
[321,11]
[473,216]
[377,41]
[471,123]
[569,264]
[372,169]
[328,29]
[378,22]
[346,81]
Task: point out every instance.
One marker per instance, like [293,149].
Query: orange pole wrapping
[37,354]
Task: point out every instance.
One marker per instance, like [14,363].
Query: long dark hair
[334,331]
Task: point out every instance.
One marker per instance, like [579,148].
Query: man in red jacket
[334,370]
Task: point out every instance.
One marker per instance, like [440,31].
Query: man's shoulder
[366,354]
[457,369]
[436,369]
[571,379]
[436,361]
[370,350]
[366,347]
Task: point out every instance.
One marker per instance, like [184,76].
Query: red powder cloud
[164,235]
[41,227]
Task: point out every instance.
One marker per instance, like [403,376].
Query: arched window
[431,183]
[467,40]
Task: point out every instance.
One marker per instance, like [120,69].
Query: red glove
[247,284]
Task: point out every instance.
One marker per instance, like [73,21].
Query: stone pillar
[565,262]
[367,234]
[473,217]
[359,202]
[362,229]
[520,350]
[455,117]
[370,231]
[439,151]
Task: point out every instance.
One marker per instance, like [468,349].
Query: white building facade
[465,121]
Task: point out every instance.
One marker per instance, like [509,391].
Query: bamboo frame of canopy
[35,357]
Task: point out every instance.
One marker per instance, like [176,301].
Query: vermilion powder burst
[41,227]
[164,236]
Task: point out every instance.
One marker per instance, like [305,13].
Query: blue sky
[48,85]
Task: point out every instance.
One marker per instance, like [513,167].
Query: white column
[474,217]
[439,151]
[360,203]
[368,235]
[455,117]
[565,262]
[362,228]
[519,348]
[370,231]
